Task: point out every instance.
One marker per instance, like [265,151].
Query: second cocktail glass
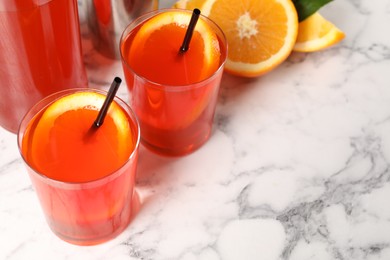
[175,117]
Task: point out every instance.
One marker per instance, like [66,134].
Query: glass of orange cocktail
[84,177]
[174,94]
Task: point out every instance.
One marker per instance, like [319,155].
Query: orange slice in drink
[161,36]
[316,33]
[63,148]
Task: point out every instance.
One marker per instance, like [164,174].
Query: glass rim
[42,104]
[168,87]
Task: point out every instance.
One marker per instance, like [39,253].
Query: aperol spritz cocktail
[174,94]
[84,177]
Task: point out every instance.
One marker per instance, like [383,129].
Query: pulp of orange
[260,33]
[65,148]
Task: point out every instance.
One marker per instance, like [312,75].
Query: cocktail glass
[90,211]
[174,119]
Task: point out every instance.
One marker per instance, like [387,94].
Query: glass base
[174,152]
[135,206]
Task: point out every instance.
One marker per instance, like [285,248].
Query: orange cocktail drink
[173,94]
[84,177]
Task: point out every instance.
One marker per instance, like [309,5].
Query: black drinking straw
[107,102]
[190,30]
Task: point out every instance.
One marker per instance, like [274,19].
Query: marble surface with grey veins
[297,167]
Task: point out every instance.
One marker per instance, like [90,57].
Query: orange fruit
[189,4]
[260,33]
[198,63]
[62,147]
[316,33]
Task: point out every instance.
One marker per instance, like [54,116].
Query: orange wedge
[316,33]
[260,33]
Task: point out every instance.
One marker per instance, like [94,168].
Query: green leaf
[305,8]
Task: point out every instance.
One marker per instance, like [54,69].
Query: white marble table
[297,167]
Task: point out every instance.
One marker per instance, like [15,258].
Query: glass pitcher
[40,53]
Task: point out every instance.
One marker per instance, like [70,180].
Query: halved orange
[189,4]
[260,33]
[316,33]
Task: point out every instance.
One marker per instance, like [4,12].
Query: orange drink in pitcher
[40,53]
[173,92]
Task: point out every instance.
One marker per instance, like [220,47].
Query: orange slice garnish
[63,148]
[168,30]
